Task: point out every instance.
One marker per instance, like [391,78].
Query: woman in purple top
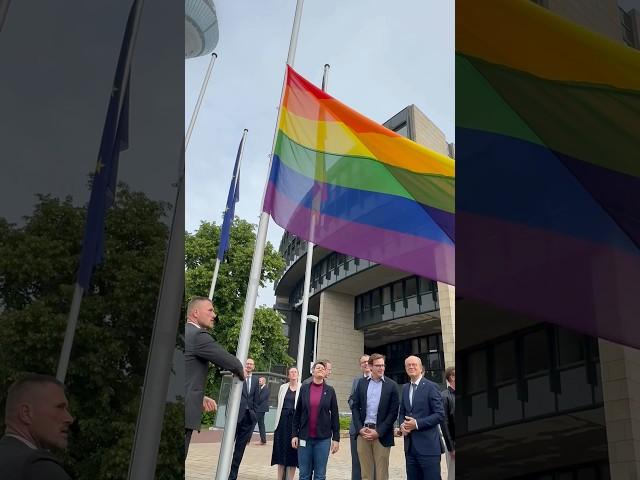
[316,429]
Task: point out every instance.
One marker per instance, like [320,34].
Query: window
[411,287]
[424,285]
[505,361]
[536,352]
[402,129]
[397,291]
[570,347]
[386,295]
[375,298]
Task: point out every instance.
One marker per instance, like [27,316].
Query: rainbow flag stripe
[547,117]
[348,184]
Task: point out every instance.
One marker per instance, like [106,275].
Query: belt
[370,425]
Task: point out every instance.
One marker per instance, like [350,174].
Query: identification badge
[303,443]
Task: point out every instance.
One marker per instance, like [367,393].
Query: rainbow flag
[548,212]
[348,184]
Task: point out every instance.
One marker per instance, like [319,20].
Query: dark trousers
[263,431]
[422,467]
[187,441]
[355,461]
[244,430]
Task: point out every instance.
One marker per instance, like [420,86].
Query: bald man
[37,420]
[419,415]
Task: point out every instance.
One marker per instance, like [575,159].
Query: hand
[373,434]
[209,404]
[409,424]
[334,446]
[397,432]
[294,442]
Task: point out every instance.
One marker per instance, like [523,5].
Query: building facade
[538,402]
[364,307]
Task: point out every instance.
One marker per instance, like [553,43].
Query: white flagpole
[194,116]
[228,436]
[146,439]
[214,279]
[302,336]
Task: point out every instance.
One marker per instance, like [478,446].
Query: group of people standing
[307,418]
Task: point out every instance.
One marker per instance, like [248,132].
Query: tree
[268,344]
[38,264]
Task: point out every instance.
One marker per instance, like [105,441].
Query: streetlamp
[314,319]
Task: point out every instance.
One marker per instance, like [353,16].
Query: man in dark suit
[262,408]
[247,416]
[199,350]
[448,425]
[37,419]
[420,414]
[374,411]
[353,433]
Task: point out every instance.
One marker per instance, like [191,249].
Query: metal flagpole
[74,310]
[214,279]
[199,101]
[302,336]
[163,341]
[228,436]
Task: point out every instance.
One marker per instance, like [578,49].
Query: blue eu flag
[229,212]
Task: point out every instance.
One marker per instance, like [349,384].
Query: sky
[384,56]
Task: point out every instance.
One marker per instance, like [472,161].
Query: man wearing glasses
[374,410]
[353,433]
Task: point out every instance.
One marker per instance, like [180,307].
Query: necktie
[411,392]
[248,385]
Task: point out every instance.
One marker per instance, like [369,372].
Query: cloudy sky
[383,56]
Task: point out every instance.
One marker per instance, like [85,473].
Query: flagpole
[146,441]
[194,116]
[74,311]
[235,186]
[228,436]
[302,336]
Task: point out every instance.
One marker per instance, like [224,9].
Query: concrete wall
[339,342]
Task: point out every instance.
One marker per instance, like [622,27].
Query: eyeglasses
[380,365]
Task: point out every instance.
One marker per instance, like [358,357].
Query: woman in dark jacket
[316,429]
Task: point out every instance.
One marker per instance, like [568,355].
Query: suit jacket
[199,350]
[18,461]
[428,412]
[249,400]
[387,409]
[263,399]
[448,424]
[328,424]
[281,394]
[354,385]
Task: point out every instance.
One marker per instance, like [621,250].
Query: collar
[417,382]
[382,378]
[23,440]
[194,324]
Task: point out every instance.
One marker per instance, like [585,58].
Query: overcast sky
[383,56]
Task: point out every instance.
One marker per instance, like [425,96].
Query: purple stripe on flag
[410,253]
[545,275]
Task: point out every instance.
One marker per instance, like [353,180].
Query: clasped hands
[369,433]
[406,427]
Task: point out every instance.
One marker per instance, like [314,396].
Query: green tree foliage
[268,343]
[38,264]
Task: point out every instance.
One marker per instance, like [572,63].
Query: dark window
[386,295]
[397,291]
[375,298]
[424,285]
[505,361]
[477,371]
[570,347]
[410,286]
[366,302]
[536,352]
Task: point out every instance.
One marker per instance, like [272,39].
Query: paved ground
[203,459]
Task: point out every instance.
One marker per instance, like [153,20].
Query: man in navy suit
[262,408]
[247,416]
[420,414]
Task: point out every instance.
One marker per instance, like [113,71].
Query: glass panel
[411,287]
[541,399]
[576,392]
[433,361]
[587,473]
[424,285]
[402,130]
[423,344]
[433,343]
[536,352]
[412,307]
[509,407]
[481,417]
[570,347]
[477,371]
[366,301]
[415,348]
[386,295]
[505,361]
[375,297]
[397,291]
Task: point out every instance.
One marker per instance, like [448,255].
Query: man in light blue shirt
[374,410]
